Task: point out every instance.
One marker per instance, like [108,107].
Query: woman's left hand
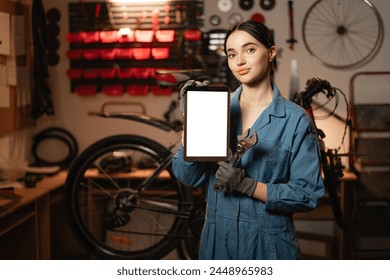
[234,179]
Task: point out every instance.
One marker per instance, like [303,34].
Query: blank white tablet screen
[207,124]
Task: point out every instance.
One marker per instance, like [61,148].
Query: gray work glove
[234,179]
[183,91]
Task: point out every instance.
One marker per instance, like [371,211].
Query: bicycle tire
[188,248]
[342,34]
[110,216]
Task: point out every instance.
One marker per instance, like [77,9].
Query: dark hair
[260,32]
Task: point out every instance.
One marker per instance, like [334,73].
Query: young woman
[253,217]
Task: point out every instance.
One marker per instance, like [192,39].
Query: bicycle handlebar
[168,77]
[313,87]
[143,118]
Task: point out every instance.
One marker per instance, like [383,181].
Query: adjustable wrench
[244,144]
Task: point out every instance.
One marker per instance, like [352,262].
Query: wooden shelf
[26,228]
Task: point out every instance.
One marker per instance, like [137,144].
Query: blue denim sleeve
[305,187]
[192,174]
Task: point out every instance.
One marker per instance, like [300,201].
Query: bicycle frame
[330,162]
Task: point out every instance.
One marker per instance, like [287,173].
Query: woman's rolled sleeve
[189,173]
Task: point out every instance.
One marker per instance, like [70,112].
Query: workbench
[35,227]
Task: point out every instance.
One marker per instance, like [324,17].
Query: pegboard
[104,60]
[223,14]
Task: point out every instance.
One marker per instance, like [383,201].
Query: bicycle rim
[109,211]
[342,34]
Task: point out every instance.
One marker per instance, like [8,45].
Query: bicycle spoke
[342,33]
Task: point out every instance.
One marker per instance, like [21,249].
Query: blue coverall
[286,158]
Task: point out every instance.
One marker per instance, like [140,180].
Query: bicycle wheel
[188,248]
[342,33]
[117,209]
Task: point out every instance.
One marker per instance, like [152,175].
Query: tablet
[206,123]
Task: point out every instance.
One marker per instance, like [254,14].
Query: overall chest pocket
[269,161]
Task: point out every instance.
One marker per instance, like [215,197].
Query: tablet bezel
[208,133]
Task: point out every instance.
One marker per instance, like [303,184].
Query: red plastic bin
[165,35]
[141,73]
[125,73]
[74,73]
[160,53]
[113,90]
[141,53]
[193,35]
[74,54]
[124,53]
[90,37]
[138,90]
[85,90]
[108,54]
[144,36]
[92,54]
[75,37]
[125,35]
[91,73]
[110,36]
[107,73]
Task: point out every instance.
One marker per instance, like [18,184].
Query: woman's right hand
[183,91]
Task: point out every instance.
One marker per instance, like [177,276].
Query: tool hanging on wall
[178,14]
[258,17]
[52,31]
[155,19]
[267,5]
[294,79]
[42,95]
[246,5]
[167,19]
[97,16]
[292,39]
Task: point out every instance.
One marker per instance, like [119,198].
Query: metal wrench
[244,144]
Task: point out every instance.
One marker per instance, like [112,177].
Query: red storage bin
[138,89]
[74,54]
[159,91]
[165,35]
[160,53]
[74,73]
[124,53]
[108,54]
[91,73]
[144,36]
[108,36]
[125,73]
[107,73]
[141,53]
[86,90]
[141,73]
[75,37]
[193,35]
[113,90]
[91,54]
[90,37]
[125,35]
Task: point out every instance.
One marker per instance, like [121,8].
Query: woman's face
[248,59]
